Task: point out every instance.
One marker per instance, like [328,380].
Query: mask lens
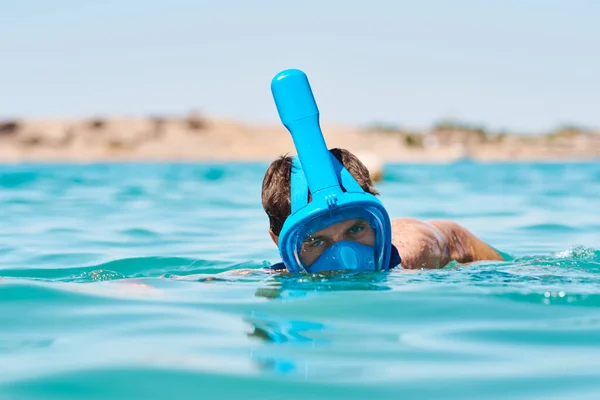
[350,240]
[356,230]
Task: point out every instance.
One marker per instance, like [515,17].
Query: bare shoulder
[420,244]
[433,244]
[463,244]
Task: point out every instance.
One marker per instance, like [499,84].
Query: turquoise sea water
[116,282]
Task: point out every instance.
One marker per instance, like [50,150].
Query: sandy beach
[199,138]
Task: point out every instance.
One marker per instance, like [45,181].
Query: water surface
[118,281]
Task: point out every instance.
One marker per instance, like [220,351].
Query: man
[323,211]
[420,244]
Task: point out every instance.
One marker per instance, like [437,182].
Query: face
[356,230]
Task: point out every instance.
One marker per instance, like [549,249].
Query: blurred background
[403,81]
[395,80]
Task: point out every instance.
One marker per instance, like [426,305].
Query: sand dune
[193,137]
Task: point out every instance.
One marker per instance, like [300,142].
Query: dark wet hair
[276,199]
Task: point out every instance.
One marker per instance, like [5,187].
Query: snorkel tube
[335,193]
[299,113]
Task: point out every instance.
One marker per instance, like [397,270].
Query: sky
[521,65]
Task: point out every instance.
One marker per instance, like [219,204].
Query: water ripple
[146,281]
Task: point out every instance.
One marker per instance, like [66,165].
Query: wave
[136,267]
[549,228]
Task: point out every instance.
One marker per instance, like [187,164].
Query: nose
[339,236]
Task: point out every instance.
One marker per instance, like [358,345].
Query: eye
[314,242]
[317,243]
[356,228]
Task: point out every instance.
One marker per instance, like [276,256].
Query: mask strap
[345,177]
[298,186]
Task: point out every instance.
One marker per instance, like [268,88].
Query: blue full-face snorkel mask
[342,227]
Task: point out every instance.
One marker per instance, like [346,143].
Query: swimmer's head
[324,216]
[276,193]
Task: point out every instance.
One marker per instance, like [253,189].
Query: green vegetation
[568,130]
[384,127]
[195,122]
[410,139]
[455,125]
[413,140]
[97,124]
[449,130]
[500,137]
[8,128]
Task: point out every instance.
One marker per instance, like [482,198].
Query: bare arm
[433,244]
[463,246]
